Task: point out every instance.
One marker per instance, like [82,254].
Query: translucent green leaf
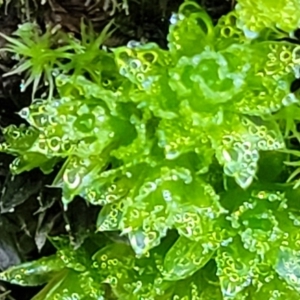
[288,267]
[190,30]
[121,270]
[267,285]
[237,147]
[185,258]
[72,285]
[286,17]
[111,186]
[227,31]
[257,221]
[33,273]
[203,285]
[145,66]
[235,269]
[210,75]
[110,217]
[169,197]
[78,259]
[179,136]
[32,160]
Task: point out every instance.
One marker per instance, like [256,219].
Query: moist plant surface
[176,163]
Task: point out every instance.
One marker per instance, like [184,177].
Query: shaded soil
[29,210]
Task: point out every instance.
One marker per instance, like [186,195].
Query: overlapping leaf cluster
[258,16]
[179,139]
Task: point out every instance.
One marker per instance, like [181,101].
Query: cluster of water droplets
[121,270]
[209,75]
[188,26]
[239,147]
[284,16]
[186,257]
[21,136]
[110,216]
[180,136]
[141,64]
[235,270]
[288,267]
[140,151]
[227,30]
[166,198]
[257,225]
[266,241]
[63,125]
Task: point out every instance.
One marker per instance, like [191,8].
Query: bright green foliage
[190,139]
[113,270]
[34,273]
[36,55]
[256,16]
[68,274]
[85,58]
[44,56]
[260,222]
[183,259]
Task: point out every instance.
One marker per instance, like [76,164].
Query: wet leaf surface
[29,210]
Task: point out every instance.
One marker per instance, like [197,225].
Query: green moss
[255,17]
[181,139]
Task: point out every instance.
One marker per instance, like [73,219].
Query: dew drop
[54,143]
[289,99]
[72,179]
[133,44]
[167,195]
[174,19]
[172,154]
[128,174]
[24,113]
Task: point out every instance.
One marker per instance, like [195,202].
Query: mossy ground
[29,210]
